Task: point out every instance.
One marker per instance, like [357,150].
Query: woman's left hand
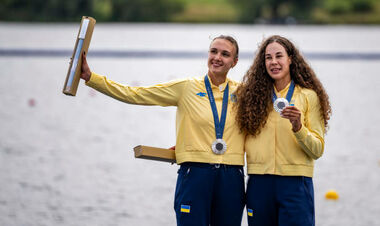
[294,116]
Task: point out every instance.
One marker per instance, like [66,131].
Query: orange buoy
[332,195]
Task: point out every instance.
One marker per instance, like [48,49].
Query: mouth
[275,70]
[215,64]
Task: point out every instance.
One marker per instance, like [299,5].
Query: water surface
[69,160]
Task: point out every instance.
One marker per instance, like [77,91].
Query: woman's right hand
[86,72]
[294,115]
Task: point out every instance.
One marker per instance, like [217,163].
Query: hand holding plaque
[81,45]
[85,69]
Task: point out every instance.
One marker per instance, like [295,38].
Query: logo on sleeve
[201,94]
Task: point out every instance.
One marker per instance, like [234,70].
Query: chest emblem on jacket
[201,94]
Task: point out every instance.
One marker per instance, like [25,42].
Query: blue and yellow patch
[201,94]
[250,212]
[233,98]
[185,208]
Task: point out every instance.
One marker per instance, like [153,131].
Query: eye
[214,51]
[226,54]
[268,57]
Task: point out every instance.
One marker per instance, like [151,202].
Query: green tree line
[308,11]
[207,11]
[102,10]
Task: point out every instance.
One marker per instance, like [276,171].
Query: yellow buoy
[332,194]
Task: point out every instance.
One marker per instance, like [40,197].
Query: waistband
[209,165]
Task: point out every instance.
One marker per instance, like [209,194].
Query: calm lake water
[69,161]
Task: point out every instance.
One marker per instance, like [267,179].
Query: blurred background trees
[275,11]
[195,11]
[308,11]
[102,10]
[348,11]
[41,10]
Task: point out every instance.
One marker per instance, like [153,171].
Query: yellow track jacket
[195,130]
[278,150]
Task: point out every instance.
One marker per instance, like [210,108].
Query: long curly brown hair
[254,94]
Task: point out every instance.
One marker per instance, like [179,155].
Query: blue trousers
[209,194]
[274,200]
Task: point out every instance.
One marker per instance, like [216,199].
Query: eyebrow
[268,54]
[223,50]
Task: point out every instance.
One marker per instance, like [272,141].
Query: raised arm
[166,94]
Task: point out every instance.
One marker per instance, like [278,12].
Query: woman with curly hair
[284,109]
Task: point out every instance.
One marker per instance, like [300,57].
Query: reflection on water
[69,160]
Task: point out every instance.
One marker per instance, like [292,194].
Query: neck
[281,84]
[217,79]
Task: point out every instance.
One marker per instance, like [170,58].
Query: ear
[235,62]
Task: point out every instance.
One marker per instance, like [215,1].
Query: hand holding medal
[281,105]
[294,115]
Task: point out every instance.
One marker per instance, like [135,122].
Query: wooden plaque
[82,43]
[152,153]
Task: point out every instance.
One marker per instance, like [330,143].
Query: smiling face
[221,57]
[277,63]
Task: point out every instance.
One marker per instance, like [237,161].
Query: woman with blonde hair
[284,109]
[209,148]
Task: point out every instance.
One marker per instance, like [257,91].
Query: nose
[217,56]
[273,61]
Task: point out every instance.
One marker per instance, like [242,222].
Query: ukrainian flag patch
[233,98]
[185,208]
[250,212]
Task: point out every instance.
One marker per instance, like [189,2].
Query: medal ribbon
[219,125]
[288,95]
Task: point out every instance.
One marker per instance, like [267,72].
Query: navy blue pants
[209,194]
[274,200]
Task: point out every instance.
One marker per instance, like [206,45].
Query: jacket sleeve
[166,94]
[311,135]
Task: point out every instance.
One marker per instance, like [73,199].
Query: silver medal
[279,104]
[219,146]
